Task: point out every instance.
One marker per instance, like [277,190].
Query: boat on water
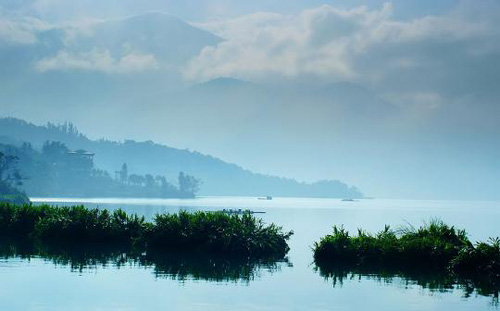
[240,211]
[348,200]
[268,198]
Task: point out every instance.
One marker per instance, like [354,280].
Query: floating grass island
[211,233]
[434,248]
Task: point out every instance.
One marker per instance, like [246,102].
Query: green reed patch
[435,247]
[231,235]
[219,232]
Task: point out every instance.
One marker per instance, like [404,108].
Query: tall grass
[230,235]
[432,248]
[479,263]
[219,233]
[70,225]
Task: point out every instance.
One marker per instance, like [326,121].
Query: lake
[39,283]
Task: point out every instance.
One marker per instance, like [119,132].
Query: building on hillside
[80,161]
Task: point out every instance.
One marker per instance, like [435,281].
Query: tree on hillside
[9,174]
[188,183]
[149,181]
[54,151]
[166,187]
[9,179]
[137,180]
[124,174]
[67,128]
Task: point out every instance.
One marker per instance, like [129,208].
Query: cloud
[426,55]
[151,41]
[98,60]
[317,41]
[20,30]
[441,71]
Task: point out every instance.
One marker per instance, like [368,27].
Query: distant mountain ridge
[160,34]
[117,58]
[218,177]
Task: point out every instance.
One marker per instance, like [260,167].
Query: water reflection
[179,266]
[435,281]
[182,267]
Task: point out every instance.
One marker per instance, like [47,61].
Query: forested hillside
[217,177]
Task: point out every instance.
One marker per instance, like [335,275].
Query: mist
[398,99]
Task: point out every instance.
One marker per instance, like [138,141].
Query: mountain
[97,65]
[166,37]
[158,34]
[218,177]
[130,71]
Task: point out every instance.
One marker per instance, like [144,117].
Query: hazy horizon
[397,98]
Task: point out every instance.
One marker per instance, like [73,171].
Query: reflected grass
[215,268]
[435,281]
[180,266]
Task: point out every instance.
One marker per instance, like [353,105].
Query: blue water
[40,284]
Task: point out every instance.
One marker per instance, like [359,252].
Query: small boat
[268,198]
[348,200]
[239,211]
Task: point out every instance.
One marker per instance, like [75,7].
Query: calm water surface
[43,284]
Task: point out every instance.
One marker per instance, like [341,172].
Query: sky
[399,98]
[203,10]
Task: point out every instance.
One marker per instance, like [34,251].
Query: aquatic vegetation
[434,244]
[69,225]
[217,233]
[432,249]
[77,226]
[479,264]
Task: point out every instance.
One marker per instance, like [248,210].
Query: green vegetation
[435,248]
[480,263]
[435,244]
[9,179]
[202,232]
[218,232]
